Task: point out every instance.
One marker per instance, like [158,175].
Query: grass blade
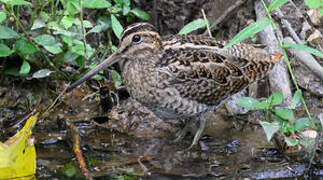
[304,48]
[249,31]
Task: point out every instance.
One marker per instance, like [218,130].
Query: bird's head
[137,41]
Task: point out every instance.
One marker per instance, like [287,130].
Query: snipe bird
[182,76]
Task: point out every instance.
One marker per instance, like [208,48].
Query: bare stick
[224,15]
[78,152]
[306,58]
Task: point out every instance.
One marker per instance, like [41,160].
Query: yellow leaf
[17,156]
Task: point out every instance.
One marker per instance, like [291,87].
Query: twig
[78,152]
[146,171]
[288,26]
[224,15]
[207,23]
[306,58]
[57,98]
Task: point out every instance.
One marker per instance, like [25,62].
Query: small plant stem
[207,23]
[33,15]
[287,61]
[83,32]
[21,26]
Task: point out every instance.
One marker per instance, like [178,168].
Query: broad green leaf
[140,14]
[304,48]
[5,50]
[24,47]
[72,7]
[297,97]
[284,113]
[314,3]
[67,21]
[249,31]
[86,23]
[116,26]
[291,141]
[55,49]
[3,16]
[302,123]
[247,102]
[262,105]
[19,2]
[45,40]
[275,99]
[7,33]
[42,73]
[44,16]
[18,158]
[275,4]
[38,23]
[192,26]
[116,78]
[317,123]
[103,23]
[78,48]
[125,10]
[96,4]
[24,68]
[321,11]
[269,128]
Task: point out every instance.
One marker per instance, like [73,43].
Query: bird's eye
[136,38]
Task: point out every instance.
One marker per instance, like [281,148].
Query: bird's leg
[198,134]
[184,131]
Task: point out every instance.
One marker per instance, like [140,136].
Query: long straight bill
[108,62]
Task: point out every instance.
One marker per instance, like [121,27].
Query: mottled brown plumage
[183,76]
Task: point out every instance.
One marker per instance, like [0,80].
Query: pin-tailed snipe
[183,76]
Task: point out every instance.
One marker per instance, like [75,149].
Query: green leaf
[55,49]
[284,113]
[297,97]
[140,14]
[24,68]
[302,123]
[269,128]
[7,33]
[192,26]
[321,11]
[72,7]
[313,3]
[116,26]
[42,73]
[45,40]
[262,105]
[49,43]
[86,23]
[247,102]
[304,48]
[3,16]
[249,31]
[38,23]
[116,78]
[275,4]
[96,4]
[19,2]
[317,123]
[103,23]
[24,47]
[44,16]
[5,50]
[67,21]
[291,141]
[275,99]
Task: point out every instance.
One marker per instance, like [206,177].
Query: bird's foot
[198,133]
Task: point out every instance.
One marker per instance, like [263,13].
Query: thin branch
[306,58]
[83,31]
[78,152]
[224,15]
